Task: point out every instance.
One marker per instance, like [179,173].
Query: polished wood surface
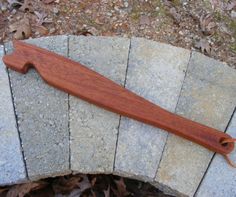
[80,81]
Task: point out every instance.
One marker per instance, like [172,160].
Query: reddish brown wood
[76,79]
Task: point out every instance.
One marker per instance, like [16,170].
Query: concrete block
[12,168]
[220,179]
[208,96]
[94,130]
[155,71]
[42,115]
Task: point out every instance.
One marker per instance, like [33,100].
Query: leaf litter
[181,23]
[21,29]
[81,185]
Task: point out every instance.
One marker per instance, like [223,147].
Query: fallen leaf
[107,192]
[121,187]
[84,184]
[23,189]
[65,185]
[13,3]
[204,46]
[48,1]
[219,4]
[214,4]
[230,5]
[26,6]
[167,3]
[2,190]
[42,30]
[84,32]
[21,29]
[207,24]
[93,181]
[42,18]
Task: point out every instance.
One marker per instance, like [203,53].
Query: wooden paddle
[80,81]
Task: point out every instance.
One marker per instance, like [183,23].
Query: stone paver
[94,130]
[209,97]
[49,119]
[12,167]
[220,179]
[155,71]
[42,113]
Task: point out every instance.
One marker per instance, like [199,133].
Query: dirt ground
[209,26]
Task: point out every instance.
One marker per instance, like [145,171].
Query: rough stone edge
[214,155]
[124,83]
[25,179]
[167,189]
[141,177]
[55,174]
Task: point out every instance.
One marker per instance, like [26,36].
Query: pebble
[233,14]
[52,30]
[109,14]
[55,11]
[3,7]
[126,4]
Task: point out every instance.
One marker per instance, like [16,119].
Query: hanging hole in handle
[223,142]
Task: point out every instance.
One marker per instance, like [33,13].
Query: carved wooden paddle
[80,81]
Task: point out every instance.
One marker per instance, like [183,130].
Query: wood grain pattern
[76,79]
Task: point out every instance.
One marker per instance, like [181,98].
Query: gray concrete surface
[94,130]
[12,168]
[220,179]
[209,97]
[42,115]
[56,129]
[155,71]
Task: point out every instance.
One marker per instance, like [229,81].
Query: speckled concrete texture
[12,169]
[42,115]
[220,179]
[155,71]
[94,130]
[208,97]
[60,134]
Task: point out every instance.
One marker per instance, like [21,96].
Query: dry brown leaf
[217,4]
[121,187]
[48,1]
[93,181]
[65,185]
[107,192]
[42,30]
[21,29]
[207,24]
[230,5]
[23,189]
[167,3]
[204,46]
[42,18]
[13,3]
[26,6]
[84,184]
[3,189]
